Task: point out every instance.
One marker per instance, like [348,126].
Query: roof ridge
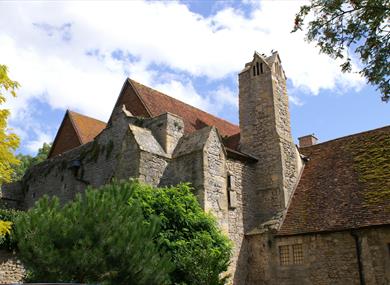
[85,116]
[183,103]
[347,136]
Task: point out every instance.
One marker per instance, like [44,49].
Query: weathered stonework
[328,258]
[11,270]
[265,133]
[247,187]
[244,175]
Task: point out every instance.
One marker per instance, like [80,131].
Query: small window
[261,68]
[257,68]
[231,193]
[254,70]
[297,254]
[291,254]
[284,253]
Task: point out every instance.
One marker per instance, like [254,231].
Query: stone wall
[11,196]
[124,149]
[152,167]
[11,270]
[167,129]
[328,258]
[243,176]
[215,189]
[289,155]
[92,164]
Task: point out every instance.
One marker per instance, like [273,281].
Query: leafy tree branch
[360,26]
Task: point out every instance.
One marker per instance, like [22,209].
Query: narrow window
[257,68]
[231,193]
[254,71]
[297,254]
[261,68]
[284,255]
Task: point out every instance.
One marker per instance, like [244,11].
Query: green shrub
[98,238]
[199,250]
[123,233]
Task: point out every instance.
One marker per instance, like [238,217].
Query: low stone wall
[322,258]
[11,270]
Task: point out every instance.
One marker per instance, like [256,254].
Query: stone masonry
[265,133]
[11,270]
[247,180]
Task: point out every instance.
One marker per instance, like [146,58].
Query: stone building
[313,214]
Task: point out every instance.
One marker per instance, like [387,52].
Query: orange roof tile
[87,128]
[75,130]
[158,103]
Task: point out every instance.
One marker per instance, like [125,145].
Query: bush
[200,252]
[121,234]
[98,238]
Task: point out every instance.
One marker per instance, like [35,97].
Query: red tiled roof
[87,128]
[75,130]
[157,103]
[344,185]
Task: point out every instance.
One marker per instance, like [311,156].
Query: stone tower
[266,134]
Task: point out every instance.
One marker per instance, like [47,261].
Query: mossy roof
[344,185]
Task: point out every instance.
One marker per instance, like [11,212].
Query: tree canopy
[9,142]
[360,26]
[27,161]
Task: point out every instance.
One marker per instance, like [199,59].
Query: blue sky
[77,55]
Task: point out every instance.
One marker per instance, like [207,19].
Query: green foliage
[98,238]
[200,252]
[362,25]
[9,142]
[27,161]
[8,217]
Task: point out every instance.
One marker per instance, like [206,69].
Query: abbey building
[307,214]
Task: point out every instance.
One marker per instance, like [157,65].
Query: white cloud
[46,45]
[35,144]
